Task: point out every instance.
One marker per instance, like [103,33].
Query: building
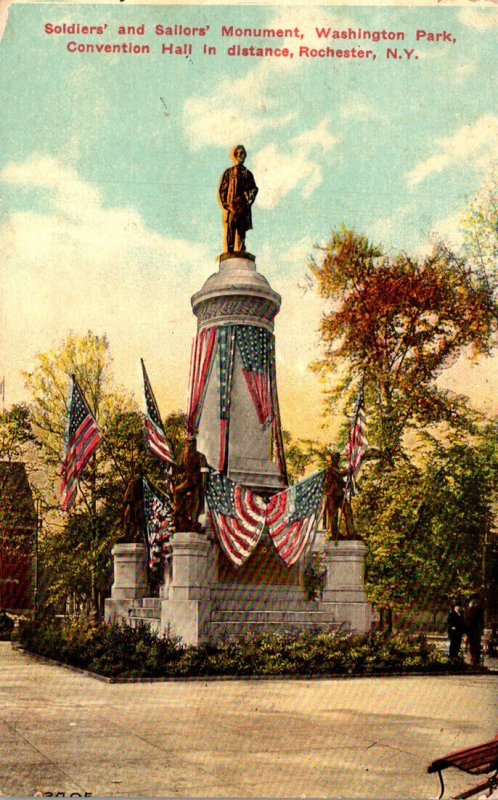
[18,523]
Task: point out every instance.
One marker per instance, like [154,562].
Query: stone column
[185,610]
[345,559]
[130,579]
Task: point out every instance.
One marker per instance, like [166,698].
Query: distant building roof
[17,508]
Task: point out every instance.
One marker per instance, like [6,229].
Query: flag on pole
[81,438]
[159,520]
[356,445]
[154,431]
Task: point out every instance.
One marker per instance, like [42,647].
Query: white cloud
[357,107]
[235,111]
[480,18]
[78,265]
[477,143]
[464,70]
[296,165]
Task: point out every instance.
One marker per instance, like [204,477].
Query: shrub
[121,651]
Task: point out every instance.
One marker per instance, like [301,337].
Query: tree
[77,546]
[480,228]
[392,325]
[15,432]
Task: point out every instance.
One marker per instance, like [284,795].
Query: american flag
[154,431]
[292,515]
[255,349]
[238,516]
[356,445]
[81,438]
[226,351]
[159,520]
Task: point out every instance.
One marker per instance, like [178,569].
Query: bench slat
[480,787]
[474,760]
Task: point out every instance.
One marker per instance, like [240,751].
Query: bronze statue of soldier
[336,501]
[237,192]
[132,515]
[188,492]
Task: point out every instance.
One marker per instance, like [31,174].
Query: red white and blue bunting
[201,361]
[292,516]
[239,517]
[256,347]
[237,514]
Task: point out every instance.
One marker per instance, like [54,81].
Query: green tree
[15,432]
[75,548]
[480,229]
[392,324]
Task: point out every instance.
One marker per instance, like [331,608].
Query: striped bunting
[292,516]
[238,516]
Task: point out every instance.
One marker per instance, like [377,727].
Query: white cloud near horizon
[476,143]
[77,265]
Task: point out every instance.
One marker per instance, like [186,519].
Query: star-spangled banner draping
[292,516]
[154,431]
[255,349]
[356,445]
[237,514]
[201,361]
[239,517]
[158,510]
[81,439]
[226,354]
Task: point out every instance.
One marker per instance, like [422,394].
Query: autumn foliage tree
[392,325]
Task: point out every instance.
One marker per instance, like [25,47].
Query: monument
[236,564]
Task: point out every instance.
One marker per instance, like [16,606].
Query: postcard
[117,122]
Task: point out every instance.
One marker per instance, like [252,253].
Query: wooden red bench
[482,759]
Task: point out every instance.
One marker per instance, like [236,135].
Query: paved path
[365,737]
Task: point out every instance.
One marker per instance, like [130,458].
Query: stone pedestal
[130,580]
[344,588]
[185,610]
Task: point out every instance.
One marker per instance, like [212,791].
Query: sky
[110,162]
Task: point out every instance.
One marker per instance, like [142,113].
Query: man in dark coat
[237,192]
[456,628]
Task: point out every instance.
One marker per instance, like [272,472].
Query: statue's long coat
[238,188]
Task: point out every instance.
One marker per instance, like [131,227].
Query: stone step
[290,617]
[149,602]
[236,598]
[219,630]
[145,613]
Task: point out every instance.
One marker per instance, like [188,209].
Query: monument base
[185,603]
[130,580]
[344,589]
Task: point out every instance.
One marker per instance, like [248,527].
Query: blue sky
[110,162]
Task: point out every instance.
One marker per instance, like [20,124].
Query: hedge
[118,651]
